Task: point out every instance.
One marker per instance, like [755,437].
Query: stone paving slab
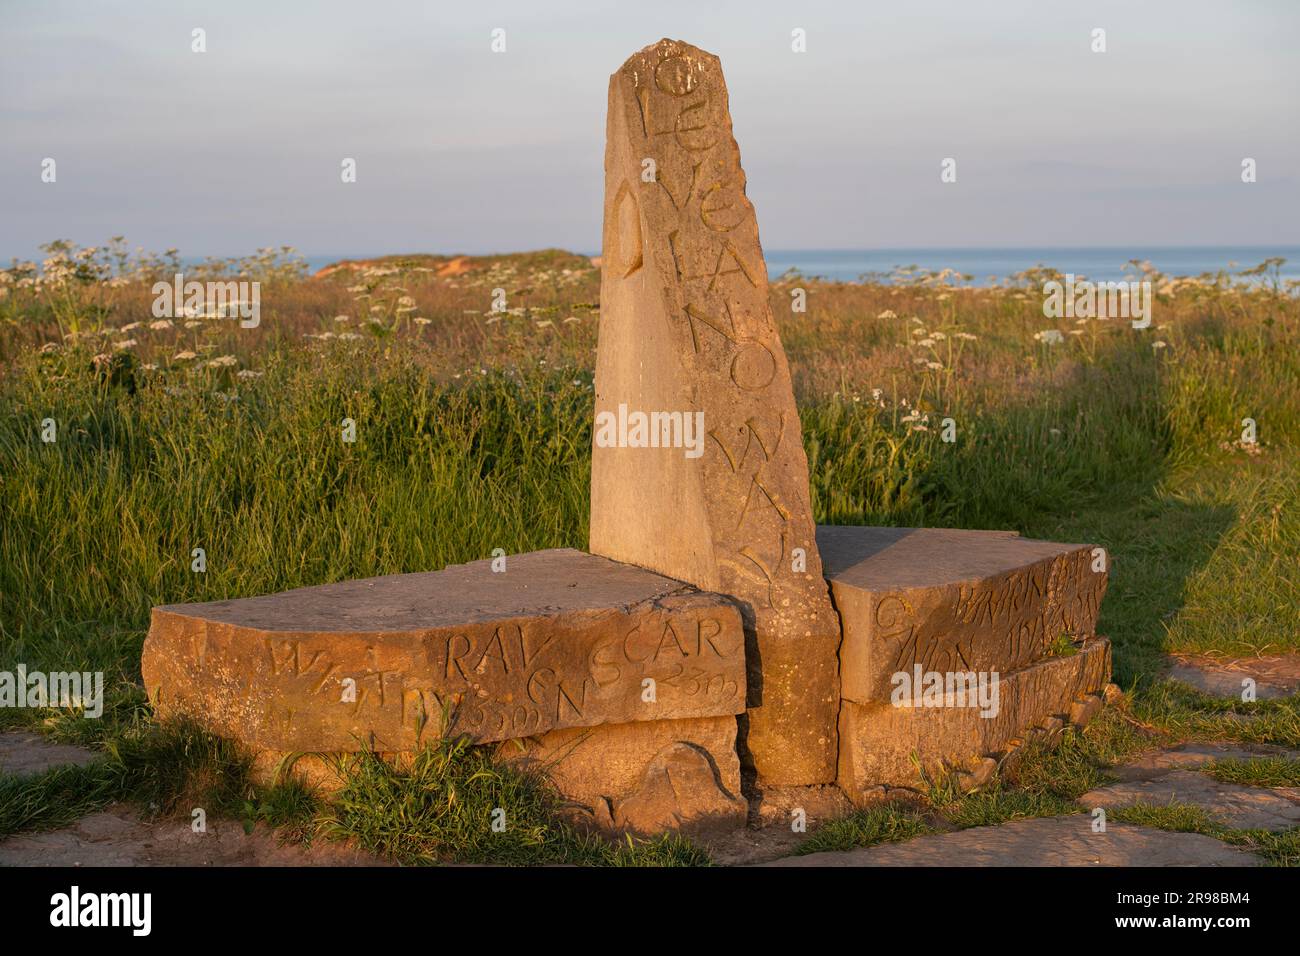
[1232,804]
[1046,841]
[1275,676]
[23,753]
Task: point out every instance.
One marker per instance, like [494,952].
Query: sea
[994,266]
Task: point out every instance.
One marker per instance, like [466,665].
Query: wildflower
[934,365]
[192,325]
[248,373]
[184,356]
[130,328]
[1159,344]
[965,336]
[887,314]
[341,318]
[926,342]
[223,361]
[126,344]
[421,320]
[160,325]
[1049,337]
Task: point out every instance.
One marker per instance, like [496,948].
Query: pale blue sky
[460,149]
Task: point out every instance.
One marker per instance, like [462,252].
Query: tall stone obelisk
[686,327]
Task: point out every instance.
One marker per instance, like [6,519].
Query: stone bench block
[878,741]
[644,777]
[947,600]
[559,639]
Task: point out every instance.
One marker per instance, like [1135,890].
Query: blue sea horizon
[992,266]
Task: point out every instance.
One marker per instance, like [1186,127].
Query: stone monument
[700,632]
[685,326]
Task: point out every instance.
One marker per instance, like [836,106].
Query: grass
[163,770]
[1258,771]
[1047,780]
[886,823]
[441,808]
[1044,780]
[454,803]
[473,433]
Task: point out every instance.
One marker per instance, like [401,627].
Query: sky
[460,149]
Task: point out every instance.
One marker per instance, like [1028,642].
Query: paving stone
[1274,676]
[1046,841]
[23,753]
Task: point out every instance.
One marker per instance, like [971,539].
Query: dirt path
[118,836]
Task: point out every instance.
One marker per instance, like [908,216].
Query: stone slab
[559,639]
[1273,676]
[1232,804]
[1045,841]
[878,741]
[23,753]
[643,777]
[948,600]
[686,329]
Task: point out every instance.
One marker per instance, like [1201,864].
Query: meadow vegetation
[473,433]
